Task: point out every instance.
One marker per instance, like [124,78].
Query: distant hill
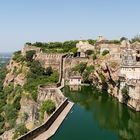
[4,58]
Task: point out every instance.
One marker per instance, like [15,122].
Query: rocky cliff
[22,95]
[104,76]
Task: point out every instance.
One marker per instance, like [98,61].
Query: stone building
[114,50]
[130,78]
[30,48]
[75,80]
[125,44]
[101,39]
[82,47]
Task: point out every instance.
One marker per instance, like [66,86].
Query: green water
[96,116]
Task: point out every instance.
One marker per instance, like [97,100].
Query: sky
[24,21]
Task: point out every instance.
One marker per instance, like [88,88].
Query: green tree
[81,67]
[102,77]
[49,71]
[123,38]
[136,39]
[89,52]
[92,42]
[30,54]
[105,52]
[74,51]
[20,130]
[18,57]
[94,57]
[47,106]
[125,93]
[36,68]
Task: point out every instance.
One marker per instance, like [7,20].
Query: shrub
[105,52]
[86,76]
[20,130]
[49,71]
[90,68]
[18,57]
[74,51]
[36,68]
[136,39]
[81,67]
[56,46]
[123,38]
[28,43]
[94,57]
[125,93]
[89,52]
[102,77]
[10,114]
[47,106]
[39,76]
[30,54]
[92,42]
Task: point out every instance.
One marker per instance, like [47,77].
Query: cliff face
[16,73]
[105,76]
[21,90]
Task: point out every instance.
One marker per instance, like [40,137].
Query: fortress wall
[53,60]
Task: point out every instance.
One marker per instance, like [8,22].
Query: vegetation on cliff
[12,93]
[47,106]
[59,47]
[39,76]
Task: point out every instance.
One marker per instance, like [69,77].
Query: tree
[30,54]
[28,43]
[74,51]
[92,42]
[105,52]
[125,93]
[89,52]
[123,38]
[49,71]
[136,38]
[68,45]
[81,67]
[86,76]
[94,57]
[36,68]
[124,90]
[90,68]
[20,130]
[47,106]
[18,57]
[102,77]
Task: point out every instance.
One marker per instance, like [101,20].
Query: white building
[130,72]
[75,80]
[130,67]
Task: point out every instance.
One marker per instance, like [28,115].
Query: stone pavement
[54,127]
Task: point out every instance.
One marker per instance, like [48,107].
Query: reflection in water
[75,88]
[109,114]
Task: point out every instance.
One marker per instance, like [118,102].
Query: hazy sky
[58,20]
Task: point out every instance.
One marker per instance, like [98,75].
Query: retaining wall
[45,126]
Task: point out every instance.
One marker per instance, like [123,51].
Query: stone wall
[69,63]
[29,48]
[53,60]
[39,130]
[133,92]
